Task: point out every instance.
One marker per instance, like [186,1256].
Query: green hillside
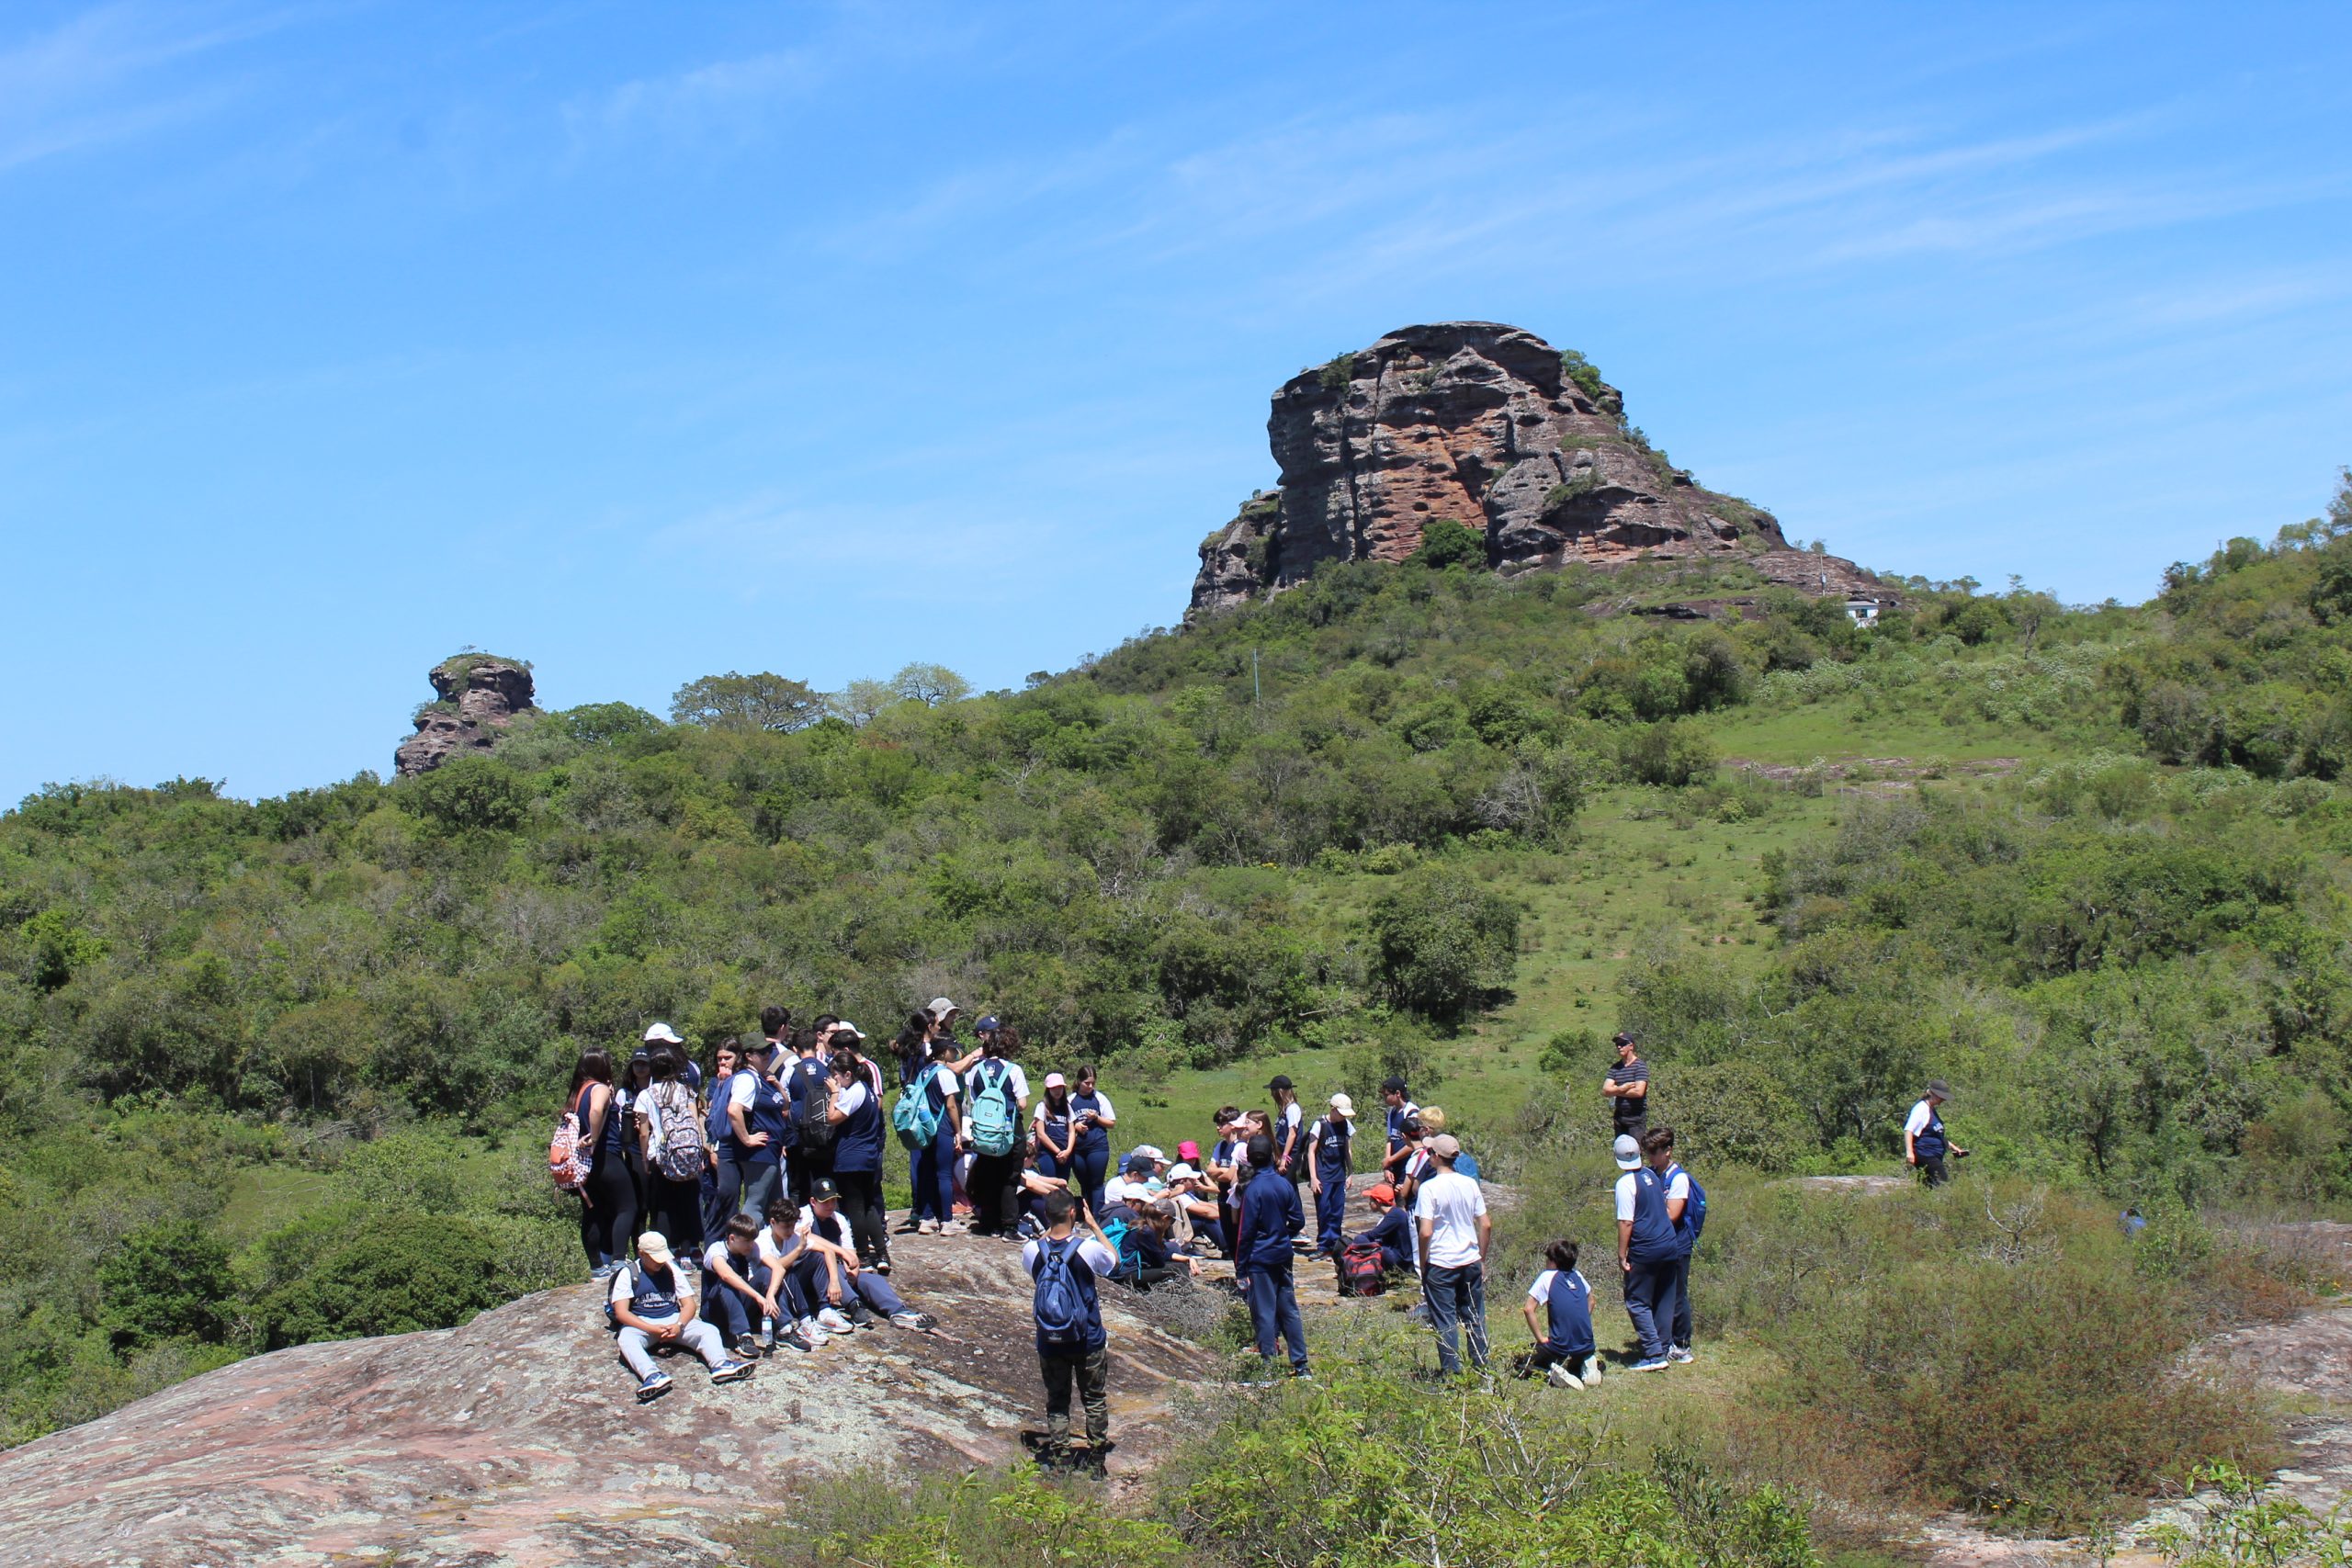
[2088,864]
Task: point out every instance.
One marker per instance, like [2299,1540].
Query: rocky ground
[515,1440]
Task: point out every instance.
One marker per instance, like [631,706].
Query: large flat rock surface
[517,1439]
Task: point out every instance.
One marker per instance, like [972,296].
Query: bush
[1732,1113]
[467,794]
[986,1520]
[1450,543]
[1444,944]
[1668,752]
[397,1274]
[167,1281]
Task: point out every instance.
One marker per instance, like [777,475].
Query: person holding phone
[1092,1119]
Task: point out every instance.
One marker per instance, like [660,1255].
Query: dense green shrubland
[2135,961]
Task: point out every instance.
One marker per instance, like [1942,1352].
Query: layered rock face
[1493,427]
[479,696]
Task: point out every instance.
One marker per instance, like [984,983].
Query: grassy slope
[1632,872]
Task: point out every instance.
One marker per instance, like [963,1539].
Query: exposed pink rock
[478,697]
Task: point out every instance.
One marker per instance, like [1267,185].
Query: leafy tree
[602,724]
[394,1274]
[1450,543]
[764,701]
[933,685]
[1443,942]
[467,794]
[60,948]
[169,1281]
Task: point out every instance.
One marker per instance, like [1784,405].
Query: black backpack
[812,1117]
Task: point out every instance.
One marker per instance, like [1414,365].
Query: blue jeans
[1274,1311]
[934,1177]
[1457,1302]
[1331,1212]
[1650,1298]
[761,1182]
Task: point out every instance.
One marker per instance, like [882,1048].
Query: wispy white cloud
[95,79]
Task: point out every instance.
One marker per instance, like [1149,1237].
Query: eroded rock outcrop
[514,1440]
[480,695]
[1493,427]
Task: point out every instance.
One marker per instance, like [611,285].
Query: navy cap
[987,1025]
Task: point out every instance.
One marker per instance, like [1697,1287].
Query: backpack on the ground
[1362,1270]
[1060,1305]
[992,1111]
[681,1156]
[915,1118]
[812,1113]
[569,1156]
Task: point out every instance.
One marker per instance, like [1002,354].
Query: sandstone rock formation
[1492,427]
[480,695]
[515,1441]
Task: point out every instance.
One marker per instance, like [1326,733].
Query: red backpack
[1361,1273]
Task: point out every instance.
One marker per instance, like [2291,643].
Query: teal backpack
[990,1110]
[916,1116]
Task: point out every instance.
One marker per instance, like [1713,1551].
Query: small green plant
[1336,373]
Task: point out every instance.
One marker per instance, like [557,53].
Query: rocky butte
[1493,427]
[480,695]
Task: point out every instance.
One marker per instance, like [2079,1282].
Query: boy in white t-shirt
[1563,1349]
[781,1247]
[1450,1211]
[739,1290]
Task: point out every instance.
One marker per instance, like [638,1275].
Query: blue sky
[648,341]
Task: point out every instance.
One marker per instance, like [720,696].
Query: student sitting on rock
[656,1316]
[739,1290]
[841,1289]
[781,1246]
[1392,1230]
[1194,1196]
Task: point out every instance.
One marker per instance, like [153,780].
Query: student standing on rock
[635,1080]
[1328,1147]
[1270,1215]
[653,1310]
[1627,1087]
[1401,1110]
[808,1094]
[1071,1344]
[670,1140]
[933,1162]
[722,1193]
[1924,1142]
[1450,1213]
[996,1098]
[1290,1129]
[608,1198]
[1092,1119]
[1056,1142]
[1649,1254]
[756,1128]
[857,1120]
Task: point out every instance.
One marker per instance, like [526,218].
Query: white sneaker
[815,1332]
[1680,1353]
[1558,1376]
[835,1322]
[1592,1371]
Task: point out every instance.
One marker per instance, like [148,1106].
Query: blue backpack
[1063,1321]
[1694,1212]
[916,1116]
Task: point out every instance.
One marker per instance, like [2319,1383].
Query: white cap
[1149,1150]
[663,1033]
[843,1026]
[654,1245]
[1628,1152]
[1344,1106]
[1181,1173]
[940,1007]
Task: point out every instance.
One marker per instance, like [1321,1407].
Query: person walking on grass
[1263,1260]
[1563,1350]
[1071,1345]
[1328,1147]
[1627,1087]
[1649,1256]
[1925,1144]
[1450,1213]
[655,1314]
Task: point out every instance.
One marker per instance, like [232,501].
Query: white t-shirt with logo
[1452,1204]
